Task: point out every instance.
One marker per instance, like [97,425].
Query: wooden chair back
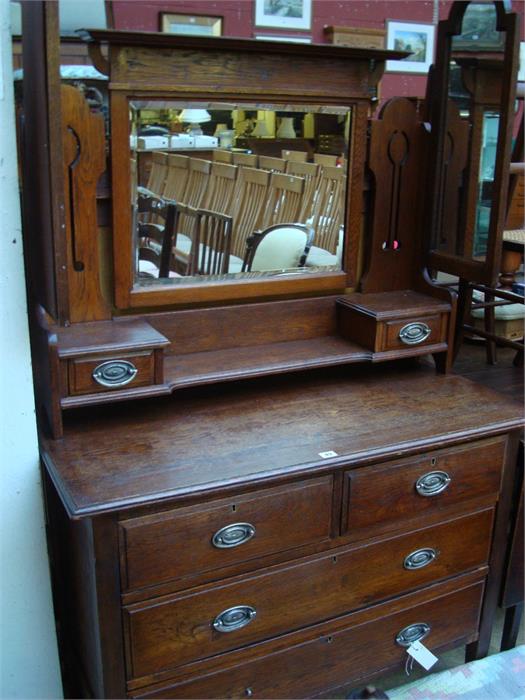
[154,240]
[273,165]
[325,159]
[249,203]
[285,194]
[213,243]
[295,156]
[247,160]
[310,173]
[221,188]
[158,172]
[328,208]
[177,177]
[222,156]
[198,177]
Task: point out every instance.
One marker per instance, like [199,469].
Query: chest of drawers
[212,548]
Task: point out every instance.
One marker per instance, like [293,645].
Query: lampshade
[260,128]
[195,116]
[286,130]
[219,129]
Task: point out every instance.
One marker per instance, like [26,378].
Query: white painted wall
[28,653]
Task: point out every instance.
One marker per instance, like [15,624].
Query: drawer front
[381,498]
[113,373]
[171,631]
[337,655]
[415,332]
[176,543]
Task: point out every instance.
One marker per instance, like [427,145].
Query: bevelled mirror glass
[472,136]
[231,190]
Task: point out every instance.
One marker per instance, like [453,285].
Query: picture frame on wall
[280,37]
[416,37]
[196,25]
[283,14]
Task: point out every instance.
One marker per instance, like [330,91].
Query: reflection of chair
[248,160]
[279,247]
[196,187]
[284,199]
[221,187]
[154,239]
[204,248]
[324,159]
[327,211]
[157,174]
[177,177]
[222,156]
[249,201]
[310,173]
[295,156]
[273,165]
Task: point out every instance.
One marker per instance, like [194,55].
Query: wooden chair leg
[490,327]
[511,627]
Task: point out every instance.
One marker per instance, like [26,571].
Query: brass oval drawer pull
[234,618]
[420,558]
[412,633]
[432,483]
[233,535]
[414,333]
[114,373]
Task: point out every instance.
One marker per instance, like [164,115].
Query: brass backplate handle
[114,373]
[412,633]
[234,618]
[432,483]
[233,535]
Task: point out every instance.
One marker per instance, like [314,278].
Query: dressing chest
[254,486]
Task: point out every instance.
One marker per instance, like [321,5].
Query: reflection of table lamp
[219,129]
[261,129]
[194,117]
[286,130]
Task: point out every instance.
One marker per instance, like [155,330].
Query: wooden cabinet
[244,558]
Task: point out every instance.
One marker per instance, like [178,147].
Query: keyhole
[433,462]
[234,508]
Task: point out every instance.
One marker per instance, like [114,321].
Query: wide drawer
[337,653]
[174,630]
[382,498]
[172,544]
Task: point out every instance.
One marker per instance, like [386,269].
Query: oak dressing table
[252,487]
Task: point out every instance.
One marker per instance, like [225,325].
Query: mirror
[476,70]
[216,187]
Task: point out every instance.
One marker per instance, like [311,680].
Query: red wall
[238,20]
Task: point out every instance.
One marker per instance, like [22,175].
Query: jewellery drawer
[380,498]
[189,540]
[345,650]
[91,375]
[400,333]
[169,631]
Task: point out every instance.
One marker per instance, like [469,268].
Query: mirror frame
[466,268]
[144,65]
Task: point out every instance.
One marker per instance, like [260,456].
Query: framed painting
[198,25]
[284,14]
[414,37]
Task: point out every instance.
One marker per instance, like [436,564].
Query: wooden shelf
[198,368]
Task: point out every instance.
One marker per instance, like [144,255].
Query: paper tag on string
[422,655]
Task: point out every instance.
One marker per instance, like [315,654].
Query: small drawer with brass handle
[91,375]
[379,498]
[234,618]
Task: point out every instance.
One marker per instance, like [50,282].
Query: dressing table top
[219,437]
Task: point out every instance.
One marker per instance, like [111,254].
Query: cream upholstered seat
[279,247]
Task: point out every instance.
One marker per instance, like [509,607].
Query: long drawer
[382,498]
[343,650]
[174,543]
[173,630]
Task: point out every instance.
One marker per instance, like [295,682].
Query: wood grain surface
[223,436]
